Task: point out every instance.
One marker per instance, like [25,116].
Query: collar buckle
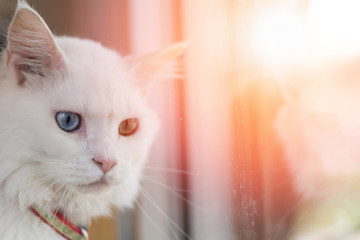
[84,232]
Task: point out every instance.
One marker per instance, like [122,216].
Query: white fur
[44,165]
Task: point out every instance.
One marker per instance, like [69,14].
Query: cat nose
[104,164]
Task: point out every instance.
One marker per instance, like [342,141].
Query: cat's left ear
[155,66]
[31,49]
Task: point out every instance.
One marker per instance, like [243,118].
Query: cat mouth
[99,185]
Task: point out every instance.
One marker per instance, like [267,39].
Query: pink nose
[104,164]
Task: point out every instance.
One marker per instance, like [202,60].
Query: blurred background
[216,169]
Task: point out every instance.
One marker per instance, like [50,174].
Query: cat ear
[155,66]
[31,49]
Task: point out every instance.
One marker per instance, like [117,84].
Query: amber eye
[128,126]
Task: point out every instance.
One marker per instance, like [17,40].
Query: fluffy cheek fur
[43,165]
[55,163]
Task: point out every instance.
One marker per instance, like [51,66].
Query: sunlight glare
[333,26]
[326,31]
[277,36]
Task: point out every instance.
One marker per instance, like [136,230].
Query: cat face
[74,116]
[318,127]
[103,99]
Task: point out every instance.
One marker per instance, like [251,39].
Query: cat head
[74,119]
[318,126]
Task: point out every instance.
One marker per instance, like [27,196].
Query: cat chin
[96,187]
[82,206]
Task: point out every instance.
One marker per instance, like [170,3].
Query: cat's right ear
[31,49]
[145,69]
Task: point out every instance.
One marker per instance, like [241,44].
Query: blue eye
[68,121]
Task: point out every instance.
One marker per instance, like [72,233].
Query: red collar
[61,225]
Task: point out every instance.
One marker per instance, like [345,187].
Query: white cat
[319,128]
[75,129]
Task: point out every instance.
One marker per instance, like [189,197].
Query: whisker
[173,190]
[147,195]
[151,221]
[58,207]
[294,204]
[66,206]
[48,160]
[40,171]
[171,170]
[176,189]
[28,204]
[32,184]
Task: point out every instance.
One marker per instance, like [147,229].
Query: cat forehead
[96,79]
[92,56]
